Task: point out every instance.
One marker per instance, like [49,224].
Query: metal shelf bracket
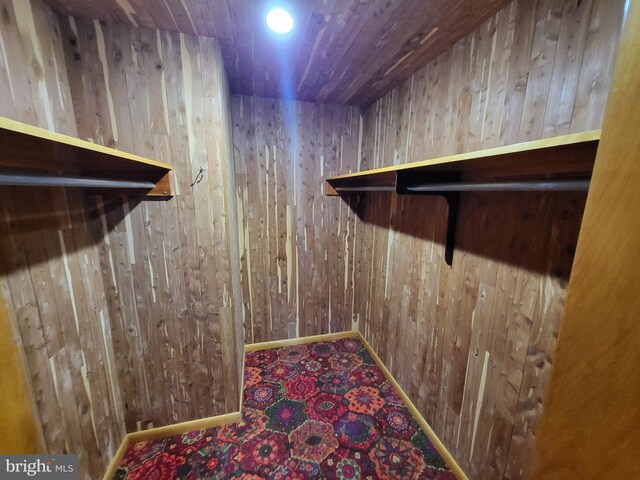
[404,183]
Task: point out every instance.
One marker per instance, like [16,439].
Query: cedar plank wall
[472,345]
[296,246]
[49,262]
[166,264]
[122,305]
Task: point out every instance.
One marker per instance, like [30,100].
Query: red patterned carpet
[317,411]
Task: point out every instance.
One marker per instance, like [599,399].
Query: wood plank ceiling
[341,51]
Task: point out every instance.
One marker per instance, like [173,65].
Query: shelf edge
[30,130]
[553,142]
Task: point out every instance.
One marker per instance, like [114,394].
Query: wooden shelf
[559,158]
[559,163]
[35,156]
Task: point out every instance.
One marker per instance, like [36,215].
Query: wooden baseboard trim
[115,461]
[242,383]
[219,420]
[183,427]
[254,347]
[426,428]
[168,431]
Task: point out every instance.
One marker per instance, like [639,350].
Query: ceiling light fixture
[279,20]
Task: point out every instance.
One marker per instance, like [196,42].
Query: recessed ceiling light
[279,20]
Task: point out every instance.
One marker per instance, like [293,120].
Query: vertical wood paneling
[18,412]
[588,427]
[341,52]
[50,267]
[296,246]
[125,308]
[473,344]
[164,95]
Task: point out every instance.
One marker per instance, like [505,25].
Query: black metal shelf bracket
[449,186]
[404,184]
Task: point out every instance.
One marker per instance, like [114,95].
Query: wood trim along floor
[254,347]
[442,450]
[178,428]
[115,461]
[167,431]
[242,383]
[219,420]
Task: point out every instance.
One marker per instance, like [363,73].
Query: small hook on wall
[199,177]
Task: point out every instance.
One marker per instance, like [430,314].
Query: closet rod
[381,188]
[524,185]
[23,179]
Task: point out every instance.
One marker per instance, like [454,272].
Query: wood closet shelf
[559,163]
[562,159]
[34,156]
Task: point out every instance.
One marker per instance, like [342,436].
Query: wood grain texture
[472,345]
[346,52]
[166,265]
[19,420]
[129,312]
[125,308]
[296,246]
[561,157]
[588,426]
[31,150]
[54,290]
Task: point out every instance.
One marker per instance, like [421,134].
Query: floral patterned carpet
[317,411]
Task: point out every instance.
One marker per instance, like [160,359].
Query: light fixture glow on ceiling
[279,20]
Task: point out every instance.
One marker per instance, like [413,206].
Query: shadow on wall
[30,218]
[537,231]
